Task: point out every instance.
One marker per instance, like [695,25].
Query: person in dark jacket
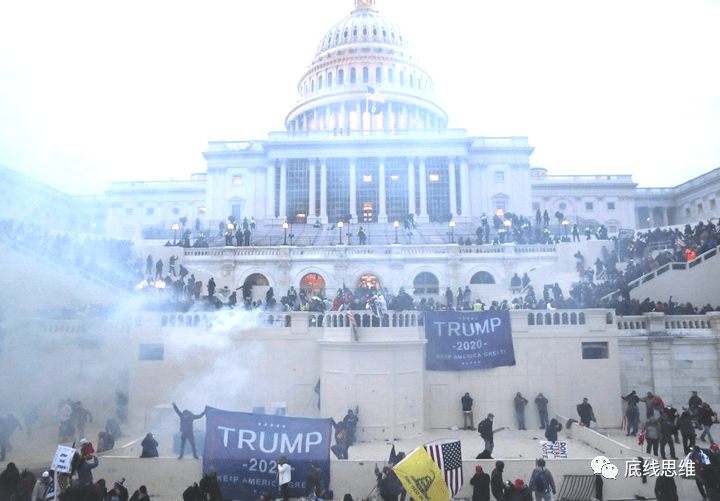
[485,428]
[9,481]
[665,488]
[467,404]
[388,483]
[149,447]
[586,413]
[687,430]
[481,485]
[667,428]
[705,418]
[551,433]
[520,403]
[497,485]
[632,413]
[120,490]
[186,429]
[542,402]
[313,482]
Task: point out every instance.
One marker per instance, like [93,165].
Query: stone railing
[660,324]
[350,251]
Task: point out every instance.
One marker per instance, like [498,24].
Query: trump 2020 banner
[461,341]
[244,449]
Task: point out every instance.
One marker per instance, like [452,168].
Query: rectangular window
[611,205]
[712,203]
[589,206]
[152,351]
[434,178]
[150,211]
[128,211]
[237,180]
[595,350]
[700,208]
[499,176]
[687,212]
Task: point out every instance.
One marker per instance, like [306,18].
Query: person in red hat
[481,485]
[519,491]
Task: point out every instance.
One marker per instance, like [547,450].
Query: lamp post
[396,224]
[340,226]
[175,228]
[565,223]
[452,231]
[508,224]
[285,226]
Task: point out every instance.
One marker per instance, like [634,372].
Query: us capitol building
[347,156]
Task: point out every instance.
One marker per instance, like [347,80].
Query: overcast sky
[97,91]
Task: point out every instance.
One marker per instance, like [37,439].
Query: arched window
[391,76]
[256,279]
[320,82]
[412,81]
[313,284]
[341,77]
[329,80]
[312,85]
[369,282]
[364,32]
[378,75]
[482,277]
[366,75]
[352,75]
[402,78]
[426,283]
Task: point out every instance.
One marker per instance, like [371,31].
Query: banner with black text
[244,448]
[461,341]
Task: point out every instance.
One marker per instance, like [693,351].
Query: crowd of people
[107,258]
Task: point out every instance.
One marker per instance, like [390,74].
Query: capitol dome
[362,54]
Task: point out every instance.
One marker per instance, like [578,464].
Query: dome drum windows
[352,75]
[378,75]
[366,75]
[329,79]
[341,77]
[391,76]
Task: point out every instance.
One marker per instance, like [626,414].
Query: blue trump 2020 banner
[461,341]
[244,449]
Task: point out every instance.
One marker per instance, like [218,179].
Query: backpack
[538,482]
[652,433]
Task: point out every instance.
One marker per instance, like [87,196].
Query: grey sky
[93,91]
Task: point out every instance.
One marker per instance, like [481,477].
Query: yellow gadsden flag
[421,477]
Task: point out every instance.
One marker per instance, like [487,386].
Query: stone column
[270,191]
[465,188]
[283,189]
[411,186]
[453,188]
[311,193]
[353,194]
[382,215]
[345,121]
[423,193]
[314,121]
[323,191]
[359,116]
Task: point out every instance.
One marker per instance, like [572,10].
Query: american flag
[353,324]
[679,242]
[448,456]
[375,95]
